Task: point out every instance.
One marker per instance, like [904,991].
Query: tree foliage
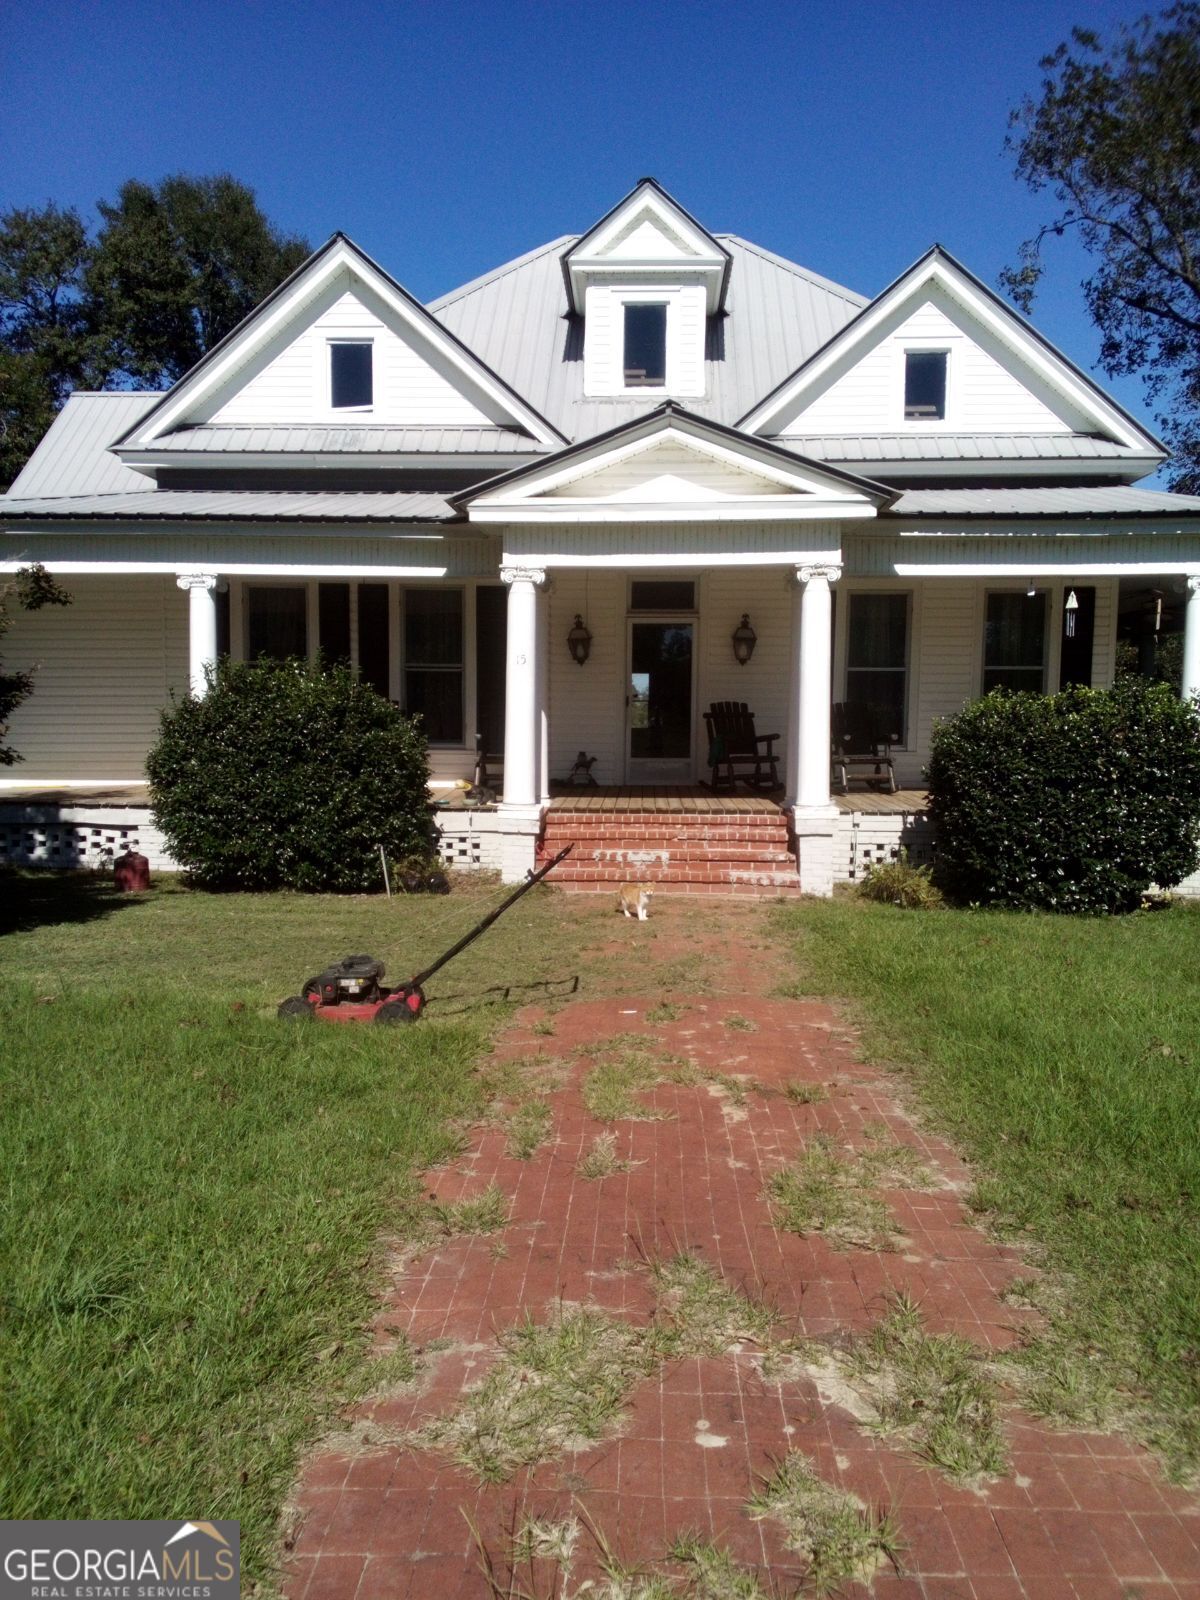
[1115,137]
[31,588]
[172,268]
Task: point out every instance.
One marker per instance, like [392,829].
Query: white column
[521,732]
[202,627]
[814,816]
[543,694]
[1191,638]
[815,686]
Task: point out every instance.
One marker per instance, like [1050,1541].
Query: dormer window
[645,346]
[351,375]
[925,385]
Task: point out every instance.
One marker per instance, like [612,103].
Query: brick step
[747,890]
[760,838]
[666,819]
[637,854]
[764,877]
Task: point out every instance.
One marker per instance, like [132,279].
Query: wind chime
[1071,607]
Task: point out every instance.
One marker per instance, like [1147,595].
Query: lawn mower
[352,990]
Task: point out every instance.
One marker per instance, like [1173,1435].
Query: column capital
[196,580]
[1192,579]
[534,575]
[824,569]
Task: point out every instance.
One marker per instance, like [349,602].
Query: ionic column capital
[1193,582]
[825,570]
[534,575]
[196,580]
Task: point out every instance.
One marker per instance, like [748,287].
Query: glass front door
[658,697]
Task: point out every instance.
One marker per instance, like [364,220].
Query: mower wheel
[313,986]
[295,1009]
[403,1005]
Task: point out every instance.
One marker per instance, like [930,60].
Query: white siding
[666,472]
[988,389]
[945,654]
[604,339]
[412,382]
[106,666]
[1104,642]
[765,596]
[587,704]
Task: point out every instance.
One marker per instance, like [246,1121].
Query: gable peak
[643,239]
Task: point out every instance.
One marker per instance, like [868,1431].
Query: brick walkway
[1077,1517]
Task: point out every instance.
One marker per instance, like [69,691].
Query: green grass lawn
[1063,1055]
[191,1191]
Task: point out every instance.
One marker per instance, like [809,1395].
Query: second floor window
[645,346]
[924,385]
[351,376]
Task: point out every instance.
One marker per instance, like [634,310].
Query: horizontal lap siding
[106,666]
[587,703]
[944,654]
[763,682]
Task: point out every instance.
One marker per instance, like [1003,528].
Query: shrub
[288,776]
[899,883]
[1069,802]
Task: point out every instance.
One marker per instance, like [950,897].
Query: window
[276,623]
[374,654]
[1014,645]
[333,623]
[924,385]
[645,346]
[662,594]
[433,662]
[351,376]
[877,657]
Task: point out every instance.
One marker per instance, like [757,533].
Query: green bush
[899,883]
[1069,802]
[289,776]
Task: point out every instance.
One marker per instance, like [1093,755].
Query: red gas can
[131,872]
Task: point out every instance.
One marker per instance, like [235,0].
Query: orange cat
[634,900]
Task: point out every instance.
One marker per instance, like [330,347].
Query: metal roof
[1117,501]
[516,319]
[216,505]
[74,458]
[956,447]
[284,439]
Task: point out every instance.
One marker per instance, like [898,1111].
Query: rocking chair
[735,748]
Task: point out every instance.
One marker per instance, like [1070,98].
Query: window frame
[406,664]
[332,343]
[935,349]
[639,304]
[1049,593]
[845,668]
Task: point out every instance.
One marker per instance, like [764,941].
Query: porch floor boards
[871,801]
[672,800]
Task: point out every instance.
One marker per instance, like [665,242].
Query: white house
[650,428]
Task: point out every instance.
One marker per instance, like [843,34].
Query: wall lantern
[579,641]
[744,640]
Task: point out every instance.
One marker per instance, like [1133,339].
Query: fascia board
[367,461]
[648,194]
[760,508]
[1051,367]
[258,330]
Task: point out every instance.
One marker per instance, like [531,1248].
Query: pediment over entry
[673,466]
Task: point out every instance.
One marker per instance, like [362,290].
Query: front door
[658,700]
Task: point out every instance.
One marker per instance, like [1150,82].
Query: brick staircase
[681,852]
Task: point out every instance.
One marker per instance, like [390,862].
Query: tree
[31,588]
[1115,137]
[175,267]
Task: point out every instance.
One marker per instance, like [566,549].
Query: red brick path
[1081,1517]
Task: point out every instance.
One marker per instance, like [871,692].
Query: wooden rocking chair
[861,749]
[735,748]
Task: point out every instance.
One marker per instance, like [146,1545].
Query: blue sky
[446,138]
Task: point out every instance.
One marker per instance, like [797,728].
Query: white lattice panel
[864,840]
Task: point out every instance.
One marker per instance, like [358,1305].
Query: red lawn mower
[353,989]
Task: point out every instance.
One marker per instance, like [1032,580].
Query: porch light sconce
[579,641]
[744,640]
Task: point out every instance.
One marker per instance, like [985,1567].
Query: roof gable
[273,361]
[1007,373]
[647,235]
[672,465]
